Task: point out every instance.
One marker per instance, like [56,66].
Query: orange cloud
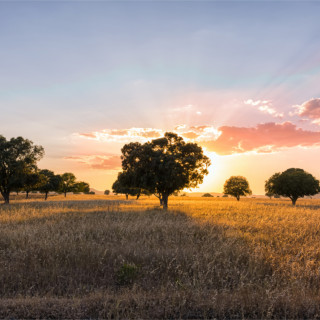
[225,140]
[110,162]
[309,109]
[263,138]
[123,135]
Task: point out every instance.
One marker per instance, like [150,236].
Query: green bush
[126,274]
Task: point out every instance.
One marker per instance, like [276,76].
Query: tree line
[19,171]
[162,167]
[167,165]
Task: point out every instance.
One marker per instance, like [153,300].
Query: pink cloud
[309,109]
[225,140]
[109,162]
[263,138]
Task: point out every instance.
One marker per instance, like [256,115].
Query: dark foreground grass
[106,259]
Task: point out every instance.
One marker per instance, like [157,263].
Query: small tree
[106,192]
[31,182]
[18,156]
[269,194]
[82,187]
[237,186]
[293,183]
[68,183]
[48,181]
[123,186]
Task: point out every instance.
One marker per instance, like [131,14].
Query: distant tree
[17,157]
[207,195]
[81,187]
[164,165]
[68,183]
[48,181]
[123,186]
[31,182]
[293,183]
[270,194]
[237,186]
[225,196]
[106,192]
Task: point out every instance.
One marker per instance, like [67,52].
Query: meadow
[90,256]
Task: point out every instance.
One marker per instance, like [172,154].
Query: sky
[240,78]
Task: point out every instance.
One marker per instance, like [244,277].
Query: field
[104,257]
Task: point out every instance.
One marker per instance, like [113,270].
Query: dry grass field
[104,257]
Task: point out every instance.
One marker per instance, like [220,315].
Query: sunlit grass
[102,256]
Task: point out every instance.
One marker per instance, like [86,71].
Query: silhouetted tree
[31,182]
[123,185]
[164,165]
[237,186]
[82,187]
[270,194]
[17,157]
[106,192]
[293,183]
[48,181]
[68,183]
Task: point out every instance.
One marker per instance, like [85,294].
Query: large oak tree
[165,165]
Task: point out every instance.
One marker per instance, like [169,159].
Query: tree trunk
[6,197]
[138,196]
[238,198]
[27,194]
[127,196]
[294,200]
[65,194]
[165,201]
[46,196]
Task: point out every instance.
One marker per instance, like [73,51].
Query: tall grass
[98,256]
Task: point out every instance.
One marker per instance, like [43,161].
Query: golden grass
[104,257]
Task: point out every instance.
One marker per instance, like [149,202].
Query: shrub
[207,195]
[126,274]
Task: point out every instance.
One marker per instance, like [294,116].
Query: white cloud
[264,106]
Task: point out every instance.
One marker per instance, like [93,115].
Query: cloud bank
[224,140]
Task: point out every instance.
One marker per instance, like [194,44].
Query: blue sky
[79,67]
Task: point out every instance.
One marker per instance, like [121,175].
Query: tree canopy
[164,165]
[48,182]
[293,183]
[237,186]
[31,182]
[18,157]
[82,187]
[68,183]
[124,185]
